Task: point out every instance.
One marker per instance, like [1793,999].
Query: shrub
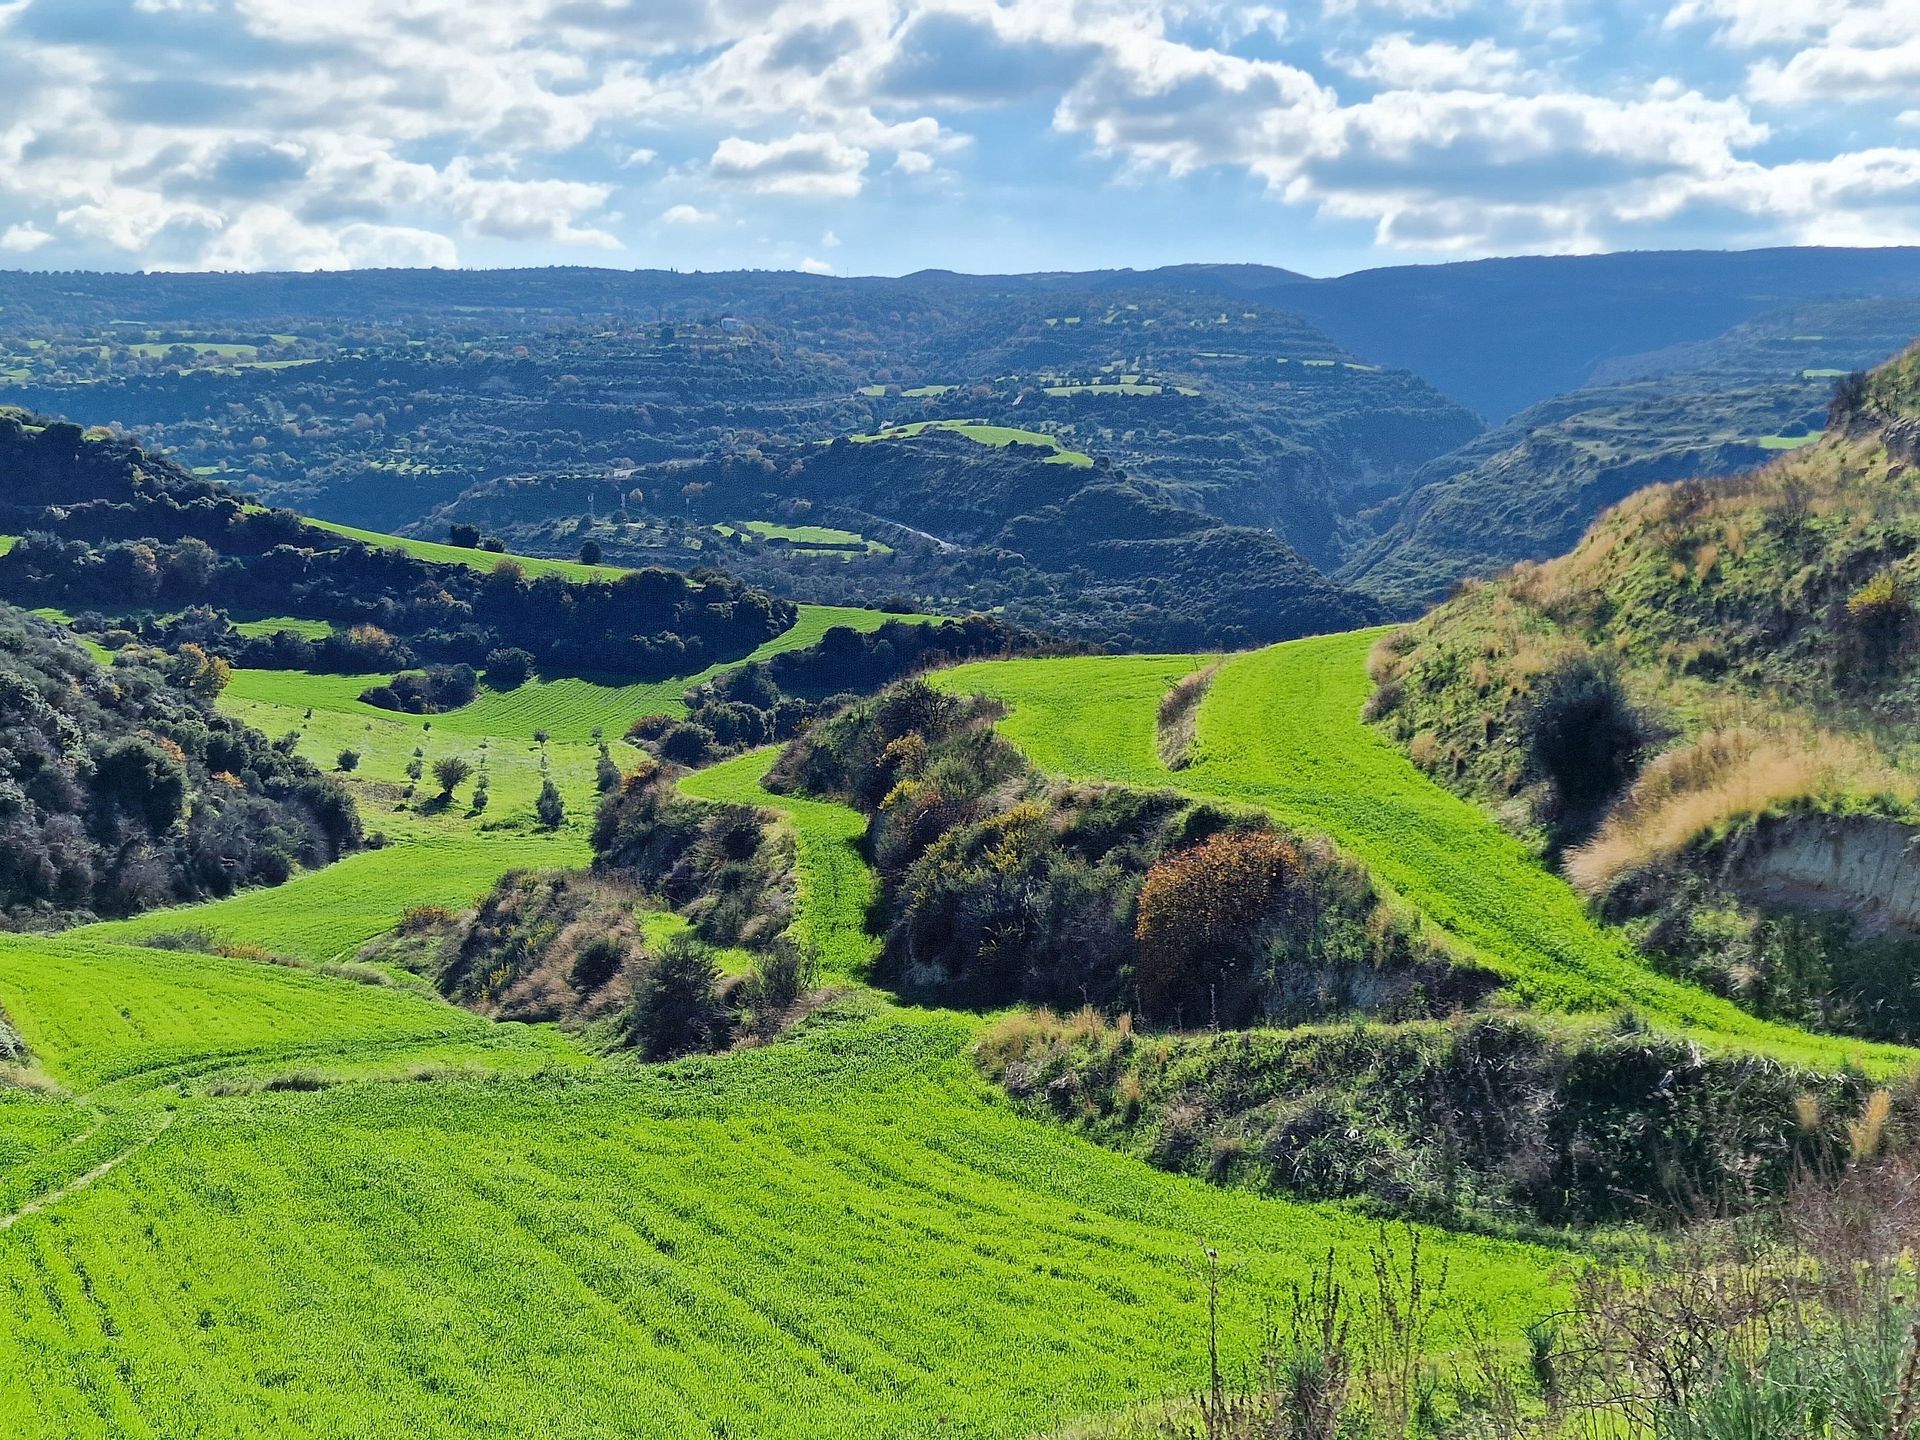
[676,1011]
[1198,910]
[1880,607]
[597,962]
[688,745]
[606,774]
[590,553]
[508,667]
[1583,735]
[348,761]
[549,807]
[780,977]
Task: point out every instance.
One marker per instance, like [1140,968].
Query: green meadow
[998,436]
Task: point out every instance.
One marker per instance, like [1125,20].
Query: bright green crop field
[263,1200]
[1280,730]
[842,1234]
[833,882]
[998,436]
[473,559]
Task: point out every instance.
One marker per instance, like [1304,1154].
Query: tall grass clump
[1726,776]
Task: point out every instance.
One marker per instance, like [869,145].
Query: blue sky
[881,136]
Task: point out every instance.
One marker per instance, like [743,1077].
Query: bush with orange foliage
[1199,910]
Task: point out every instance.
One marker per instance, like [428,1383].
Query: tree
[590,552]
[450,771]
[199,673]
[606,774]
[465,536]
[550,808]
[508,667]
[148,777]
[348,761]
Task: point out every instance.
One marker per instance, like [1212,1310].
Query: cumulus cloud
[1401,62]
[289,133]
[24,239]
[806,164]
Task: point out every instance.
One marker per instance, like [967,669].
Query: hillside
[1526,490]
[1708,706]
[121,789]
[1082,549]
[104,525]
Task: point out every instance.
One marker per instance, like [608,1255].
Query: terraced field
[834,884]
[271,1201]
[473,559]
[998,436]
[1280,729]
[568,708]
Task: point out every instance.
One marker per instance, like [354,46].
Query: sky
[885,136]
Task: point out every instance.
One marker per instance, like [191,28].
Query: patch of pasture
[998,436]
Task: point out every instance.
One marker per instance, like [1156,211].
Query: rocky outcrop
[1867,866]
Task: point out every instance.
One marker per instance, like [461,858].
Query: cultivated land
[268,1200]
[997,436]
[261,1199]
[1280,729]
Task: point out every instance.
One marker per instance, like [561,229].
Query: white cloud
[268,238]
[395,128]
[829,241]
[812,266]
[1401,62]
[807,164]
[24,239]
[1823,73]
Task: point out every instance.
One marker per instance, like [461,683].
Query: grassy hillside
[1281,729]
[1708,704]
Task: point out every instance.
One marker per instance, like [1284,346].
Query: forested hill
[966,518]
[104,524]
[123,789]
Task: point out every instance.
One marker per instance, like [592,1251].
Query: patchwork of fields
[262,1200]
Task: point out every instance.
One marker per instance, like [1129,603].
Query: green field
[844,1234]
[264,1200]
[569,707]
[273,1202]
[823,537]
[268,625]
[834,884]
[1280,730]
[996,435]
[1787,442]
[473,559]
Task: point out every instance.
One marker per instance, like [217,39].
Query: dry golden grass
[1728,775]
